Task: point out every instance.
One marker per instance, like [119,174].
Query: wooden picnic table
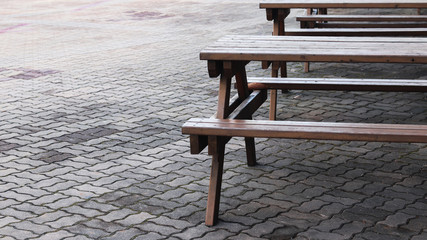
[278,10]
[227,59]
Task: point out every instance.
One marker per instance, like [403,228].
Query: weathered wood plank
[368,18]
[308,130]
[343,4]
[317,49]
[339,84]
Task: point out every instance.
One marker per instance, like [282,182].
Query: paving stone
[56,235]
[423,235]
[313,234]
[5,203]
[244,220]
[7,220]
[135,219]
[331,209]
[91,233]
[416,224]
[79,237]
[64,202]
[130,233]
[116,215]
[220,234]
[310,206]
[244,236]
[47,199]
[16,213]
[348,230]
[160,229]
[149,236]
[170,222]
[65,221]
[396,219]
[374,202]
[107,227]
[89,213]
[16,233]
[49,217]
[331,224]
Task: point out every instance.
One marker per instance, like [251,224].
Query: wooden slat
[317,49]
[345,31]
[339,84]
[369,18]
[343,4]
[308,130]
[397,27]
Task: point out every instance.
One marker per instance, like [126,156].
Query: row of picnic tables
[228,57]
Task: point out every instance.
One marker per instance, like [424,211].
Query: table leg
[279,16]
[273,92]
[243,91]
[214,193]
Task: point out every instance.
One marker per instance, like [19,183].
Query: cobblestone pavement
[92,98]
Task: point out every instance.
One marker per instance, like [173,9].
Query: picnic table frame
[227,59]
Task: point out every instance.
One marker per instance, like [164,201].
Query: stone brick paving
[92,97]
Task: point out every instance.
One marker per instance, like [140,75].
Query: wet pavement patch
[147,15]
[27,74]
[53,156]
[87,134]
[5,146]
[284,233]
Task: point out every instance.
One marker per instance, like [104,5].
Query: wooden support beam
[215,180]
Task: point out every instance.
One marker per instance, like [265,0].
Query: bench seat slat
[307,130]
[339,84]
[342,3]
[369,18]
[367,32]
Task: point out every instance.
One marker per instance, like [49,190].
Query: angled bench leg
[214,193]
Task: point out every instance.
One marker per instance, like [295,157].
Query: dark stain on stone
[87,134]
[27,74]
[284,233]
[52,156]
[5,146]
[148,15]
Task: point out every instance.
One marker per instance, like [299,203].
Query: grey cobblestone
[93,95]
[116,215]
[7,220]
[9,231]
[56,235]
[313,234]
[130,233]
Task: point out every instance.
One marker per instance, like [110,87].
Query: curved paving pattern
[92,98]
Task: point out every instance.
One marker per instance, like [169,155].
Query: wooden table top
[343,4]
[317,49]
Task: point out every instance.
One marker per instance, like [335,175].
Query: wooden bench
[372,132]
[363,21]
[217,129]
[360,25]
[369,32]
[227,59]
[338,84]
